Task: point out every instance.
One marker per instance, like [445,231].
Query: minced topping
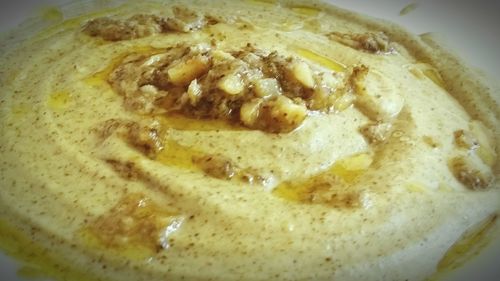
[146,136]
[473,165]
[255,88]
[142,25]
[371,42]
[135,221]
[472,174]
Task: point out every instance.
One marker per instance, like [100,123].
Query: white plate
[470,28]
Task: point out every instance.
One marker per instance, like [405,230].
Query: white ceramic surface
[470,28]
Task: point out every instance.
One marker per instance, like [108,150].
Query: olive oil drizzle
[37,261]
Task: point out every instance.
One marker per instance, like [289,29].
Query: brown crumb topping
[469,174]
[146,137]
[216,166]
[371,42]
[126,170]
[220,167]
[138,26]
[325,190]
[135,221]
[464,139]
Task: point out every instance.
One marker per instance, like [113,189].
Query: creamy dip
[254,140]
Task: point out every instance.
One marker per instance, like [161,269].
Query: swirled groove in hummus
[241,140]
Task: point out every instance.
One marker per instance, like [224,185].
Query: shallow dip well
[268,140]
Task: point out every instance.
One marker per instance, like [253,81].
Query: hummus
[254,140]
